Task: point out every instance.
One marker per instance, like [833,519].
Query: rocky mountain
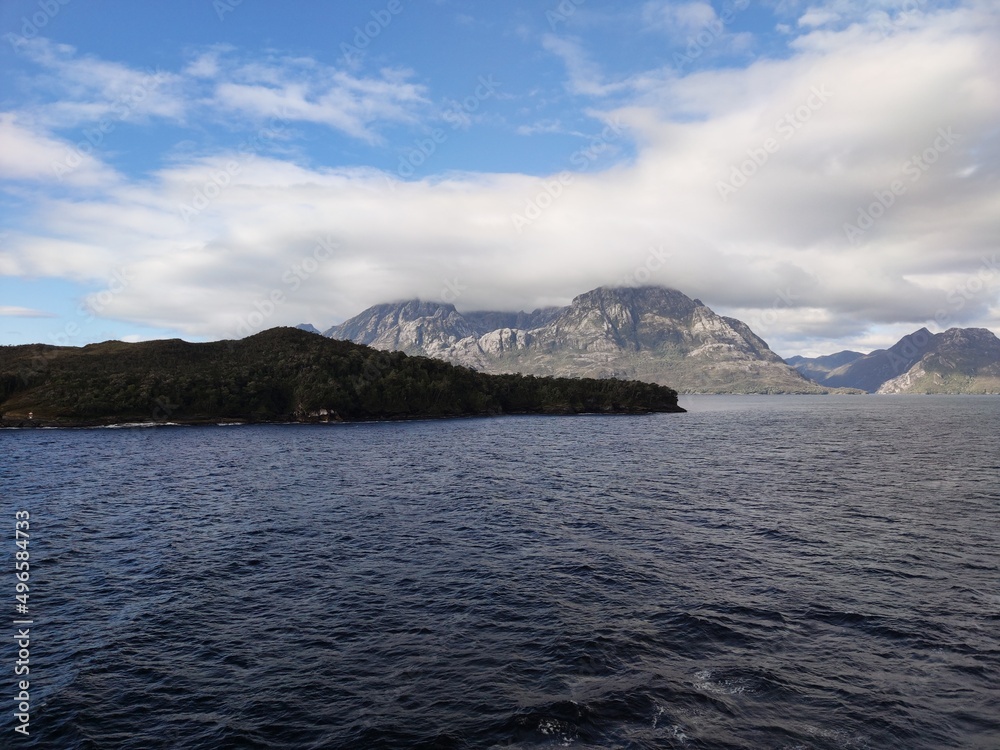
[960,360]
[869,371]
[652,334]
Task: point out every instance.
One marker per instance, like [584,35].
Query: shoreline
[108,423]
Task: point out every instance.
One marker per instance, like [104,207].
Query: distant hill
[959,360]
[870,371]
[818,368]
[653,334]
[282,374]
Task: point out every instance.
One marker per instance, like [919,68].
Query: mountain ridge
[652,333]
[817,368]
[958,360]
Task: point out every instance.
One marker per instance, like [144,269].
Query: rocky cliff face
[960,360]
[652,333]
[414,327]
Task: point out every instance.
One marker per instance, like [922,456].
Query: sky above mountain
[826,171]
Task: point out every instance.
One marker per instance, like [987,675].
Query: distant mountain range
[818,369]
[653,334]
[959,360]
[660,335]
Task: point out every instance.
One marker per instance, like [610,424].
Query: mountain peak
[650,333]
[972,335]
[412,326]
[661,299]
[632,293]
[416,307]
[960,360]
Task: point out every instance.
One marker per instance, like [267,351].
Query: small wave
[781,535]
[885,627]
[739,681]
[688,630]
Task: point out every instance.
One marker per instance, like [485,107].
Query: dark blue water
[784,572]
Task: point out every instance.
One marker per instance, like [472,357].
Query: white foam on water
[560,730]
[707,682]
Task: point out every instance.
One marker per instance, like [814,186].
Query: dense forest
[282,374]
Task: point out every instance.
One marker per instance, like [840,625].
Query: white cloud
[74,90]
[8,311]
[585,77]
[261,251]
[29,155]
[87,89]
[815,17]
[206,64]
[345,103]
[542,126]
[52,256]
[301,89]
[679,18]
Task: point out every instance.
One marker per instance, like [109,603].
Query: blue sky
[824,170]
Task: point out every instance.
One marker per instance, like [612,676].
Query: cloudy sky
[825,170]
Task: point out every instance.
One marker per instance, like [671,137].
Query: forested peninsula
[281,375]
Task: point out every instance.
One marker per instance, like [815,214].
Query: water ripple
[810,572]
